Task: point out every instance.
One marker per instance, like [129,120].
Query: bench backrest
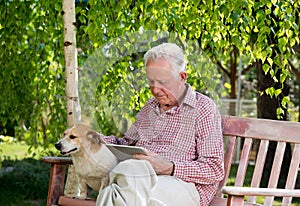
[250,130]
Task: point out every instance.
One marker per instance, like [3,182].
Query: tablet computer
[123,152]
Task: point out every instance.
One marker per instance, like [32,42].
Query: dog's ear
[95,137]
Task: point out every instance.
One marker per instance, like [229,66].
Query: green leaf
[285,101]
[282,44]
[270,61]
[266,68]
[270,91]
[279,113]
[277,92]
[274,2]
[283,77]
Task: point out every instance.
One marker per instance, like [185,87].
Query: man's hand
[160,165]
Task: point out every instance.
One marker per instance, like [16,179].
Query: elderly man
[181,129]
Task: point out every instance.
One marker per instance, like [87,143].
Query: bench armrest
[57,177]
[57,160]
[250,191]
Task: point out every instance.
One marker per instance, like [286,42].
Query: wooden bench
[234,128]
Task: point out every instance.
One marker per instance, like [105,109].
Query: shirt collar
[190,97]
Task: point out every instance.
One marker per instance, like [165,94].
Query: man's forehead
[158,68]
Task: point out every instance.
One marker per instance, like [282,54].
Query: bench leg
[56,183]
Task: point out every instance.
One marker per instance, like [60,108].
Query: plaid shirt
[190,135]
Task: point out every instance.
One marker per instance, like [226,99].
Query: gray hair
[170,52]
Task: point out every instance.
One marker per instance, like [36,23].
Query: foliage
[25,180]
[31,75]
[31,40]
[223,29]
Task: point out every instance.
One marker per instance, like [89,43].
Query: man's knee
[167,187]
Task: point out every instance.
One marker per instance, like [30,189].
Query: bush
[24,182]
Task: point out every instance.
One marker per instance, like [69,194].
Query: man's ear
[183,76]
[95,137]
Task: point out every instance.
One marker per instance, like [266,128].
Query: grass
[13,150]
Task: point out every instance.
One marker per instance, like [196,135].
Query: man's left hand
[160,165]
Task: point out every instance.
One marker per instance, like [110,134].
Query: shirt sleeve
[113,140]
[129,138]
[208,167]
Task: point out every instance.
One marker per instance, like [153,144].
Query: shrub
[23,180]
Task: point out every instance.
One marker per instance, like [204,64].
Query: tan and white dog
[92,160]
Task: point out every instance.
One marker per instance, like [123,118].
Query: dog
[92,160]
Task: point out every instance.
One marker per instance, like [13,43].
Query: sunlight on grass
[13,150]
[20,150]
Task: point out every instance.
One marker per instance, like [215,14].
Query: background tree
[31,74]
[295,68]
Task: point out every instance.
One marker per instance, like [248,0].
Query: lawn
[13,150]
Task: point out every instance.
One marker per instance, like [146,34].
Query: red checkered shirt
[190,135]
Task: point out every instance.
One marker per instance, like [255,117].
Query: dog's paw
[82,188]
[82,196]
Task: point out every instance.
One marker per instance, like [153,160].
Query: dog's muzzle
[59,146]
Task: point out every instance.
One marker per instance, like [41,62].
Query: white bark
[71,81]
[71,72]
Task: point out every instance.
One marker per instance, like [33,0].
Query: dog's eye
[72,137]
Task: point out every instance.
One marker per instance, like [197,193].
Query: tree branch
[222,68]
[294,70]
[249,67]
[296,48]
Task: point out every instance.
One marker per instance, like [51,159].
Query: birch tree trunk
[71,82]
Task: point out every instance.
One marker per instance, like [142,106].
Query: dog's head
[78,138]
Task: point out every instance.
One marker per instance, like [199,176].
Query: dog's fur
[92,160]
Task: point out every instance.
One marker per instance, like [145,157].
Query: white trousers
[134,183]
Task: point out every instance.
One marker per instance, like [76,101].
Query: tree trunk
[266,108]
[71,72]
[233,82]
[71,80]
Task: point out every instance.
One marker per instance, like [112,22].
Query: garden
[237,50]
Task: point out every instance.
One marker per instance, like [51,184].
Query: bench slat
[249,191]
[243,163]
[259,166]
[275,130]
[276,168]
[293,172]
